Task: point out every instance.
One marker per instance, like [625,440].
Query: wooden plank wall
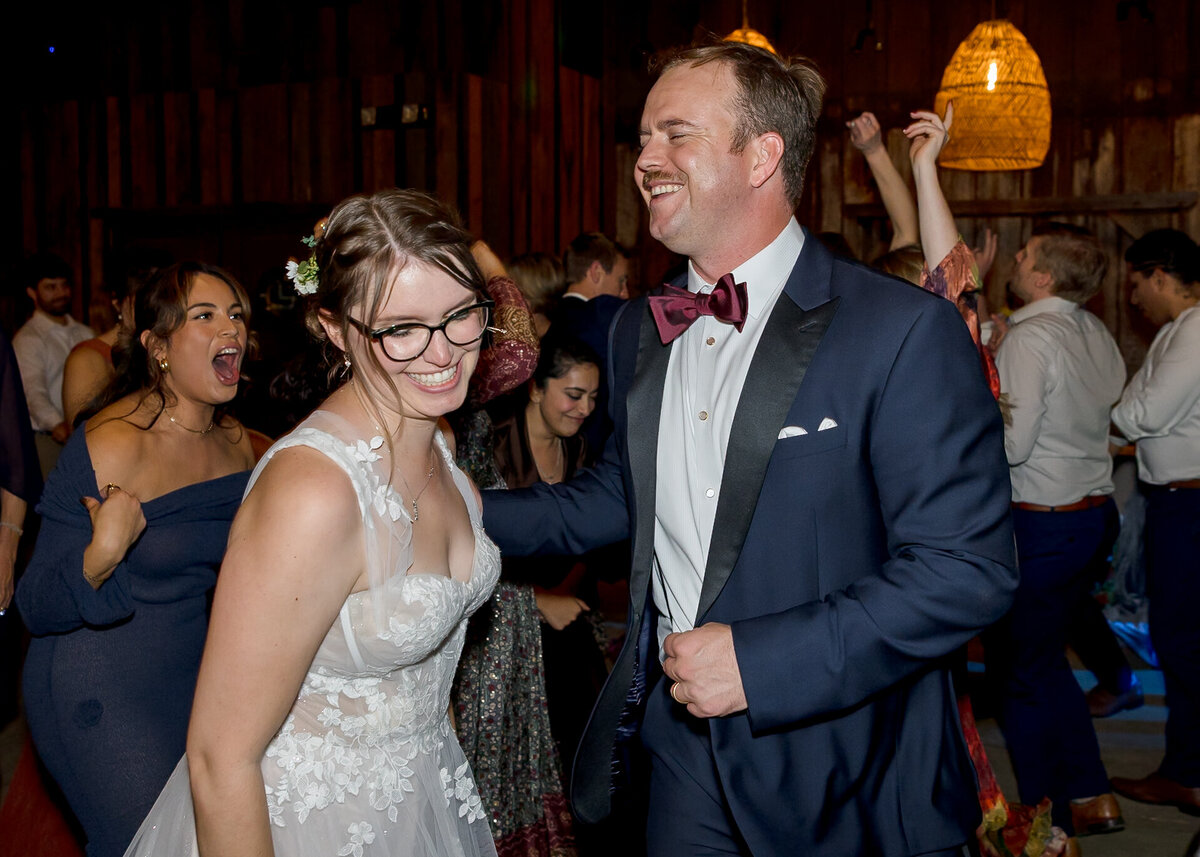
[225,116]
[514,139]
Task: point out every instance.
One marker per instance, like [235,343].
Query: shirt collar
[1050,304]
[765,272]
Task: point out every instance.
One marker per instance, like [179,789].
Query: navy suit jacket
[850,563]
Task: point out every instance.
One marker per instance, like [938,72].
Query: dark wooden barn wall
[239,121]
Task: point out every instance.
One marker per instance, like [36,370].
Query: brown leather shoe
[1101,703]
[1072,849]
[1101,814]
[1158,789]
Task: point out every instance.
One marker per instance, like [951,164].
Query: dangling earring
[346,365]
[164,366]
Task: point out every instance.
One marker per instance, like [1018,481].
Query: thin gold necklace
[211,425]
[416,512]
[416,515]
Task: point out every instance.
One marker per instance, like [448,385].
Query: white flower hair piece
[305,276]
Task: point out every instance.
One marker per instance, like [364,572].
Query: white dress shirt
[42,346]
[1160,408]
[1061,372]
[705,373]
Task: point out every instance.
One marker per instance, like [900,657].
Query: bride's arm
[295,552]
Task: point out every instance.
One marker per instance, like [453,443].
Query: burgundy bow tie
[675,309]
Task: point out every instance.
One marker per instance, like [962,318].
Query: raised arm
[866,136]
[295,553]
[928,134]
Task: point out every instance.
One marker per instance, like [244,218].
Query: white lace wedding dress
[366,762]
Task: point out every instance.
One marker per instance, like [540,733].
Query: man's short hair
[584,250]
[1167,250]
[1073,257]
[777,95]
[44,266]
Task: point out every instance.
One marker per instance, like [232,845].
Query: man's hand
[704,670]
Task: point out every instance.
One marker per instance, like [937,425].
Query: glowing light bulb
[991,76]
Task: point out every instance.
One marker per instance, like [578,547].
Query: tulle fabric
[366,762]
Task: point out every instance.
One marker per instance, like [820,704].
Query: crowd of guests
[366,675]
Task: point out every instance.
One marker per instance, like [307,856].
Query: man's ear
[32,294]
[767,151]
[332,329]
[595,272]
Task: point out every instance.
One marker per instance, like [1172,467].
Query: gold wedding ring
[108,489]
[675,695]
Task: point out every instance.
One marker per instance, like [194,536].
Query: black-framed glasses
[408,341]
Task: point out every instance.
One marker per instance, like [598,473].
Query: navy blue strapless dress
[110,674]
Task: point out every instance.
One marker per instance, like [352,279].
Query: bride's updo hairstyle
[366,241]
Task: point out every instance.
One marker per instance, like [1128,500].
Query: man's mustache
[657,176]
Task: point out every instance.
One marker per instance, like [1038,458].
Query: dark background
[223,130]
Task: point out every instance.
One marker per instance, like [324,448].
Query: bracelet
[12,527]
[93,581]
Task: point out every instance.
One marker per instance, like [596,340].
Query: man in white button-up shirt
[1061,372]
[814,485]
[1160,410]
[42,345]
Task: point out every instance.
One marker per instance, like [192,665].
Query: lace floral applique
[463,790]
[384,498]
[361,833]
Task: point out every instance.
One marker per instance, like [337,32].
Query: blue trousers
[1042,711]
[1172,541]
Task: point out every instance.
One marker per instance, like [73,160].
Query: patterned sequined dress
[366,763]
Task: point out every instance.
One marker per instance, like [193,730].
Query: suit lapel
[644,406]
[785,350]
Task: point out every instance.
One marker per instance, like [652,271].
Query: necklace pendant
[416,513]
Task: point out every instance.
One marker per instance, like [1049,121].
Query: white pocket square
[792,431]
[827,423]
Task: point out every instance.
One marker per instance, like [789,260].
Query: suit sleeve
[569,518]
[936,453]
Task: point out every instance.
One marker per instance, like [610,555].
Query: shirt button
[712,340]
[704,415]
[710,493]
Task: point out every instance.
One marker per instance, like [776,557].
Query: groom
[812,474]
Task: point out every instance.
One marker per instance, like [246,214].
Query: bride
[321,720]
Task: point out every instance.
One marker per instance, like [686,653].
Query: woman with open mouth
[134,524]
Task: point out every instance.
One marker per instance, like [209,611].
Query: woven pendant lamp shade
[749,36]
[1001,102]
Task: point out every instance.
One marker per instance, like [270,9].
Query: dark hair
[1073,257]
[540,278]
[587,248]
[1167,250]
[365,241]
[777,95]
[559,355]
[44,266]
[160,309]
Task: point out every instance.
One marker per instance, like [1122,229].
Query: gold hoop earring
[164,366]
